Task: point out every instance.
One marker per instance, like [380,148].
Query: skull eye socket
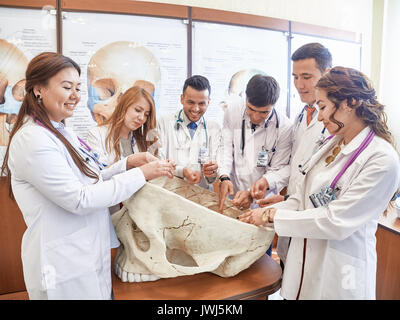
[18,91]
[105,88]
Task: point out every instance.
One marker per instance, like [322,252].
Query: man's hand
[242,200]
[259,188]
[209,169]
[270,200]
[225,187]
[192,176]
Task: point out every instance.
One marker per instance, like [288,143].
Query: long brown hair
[350,85]
[116,122]
[39,71]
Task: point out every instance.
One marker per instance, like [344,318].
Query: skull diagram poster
[116,52]
[24,33]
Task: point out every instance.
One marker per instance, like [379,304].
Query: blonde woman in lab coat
[62,189]
[332,254]
[130,129]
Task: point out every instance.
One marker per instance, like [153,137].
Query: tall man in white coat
[310,62]
[187,138]
[256,142]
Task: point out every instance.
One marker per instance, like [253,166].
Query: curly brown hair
[350,85]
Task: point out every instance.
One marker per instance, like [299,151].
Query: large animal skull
[171,228]
[237,85]
[115,68]
[13,65]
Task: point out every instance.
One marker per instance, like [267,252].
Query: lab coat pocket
[70,263]
[344,276]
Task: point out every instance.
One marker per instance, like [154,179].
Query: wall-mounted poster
[230,55]
[116,52]
[344,53]
[24,33]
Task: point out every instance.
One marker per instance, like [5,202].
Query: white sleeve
[161,136]
[95,141]
[216,148]
[365,199]
[278,172]
[46,167]
[226,156]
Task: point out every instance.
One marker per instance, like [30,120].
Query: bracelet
[265,216]
[224,178]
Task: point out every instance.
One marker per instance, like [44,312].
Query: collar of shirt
[58,125]
[270,120]
[186,120]
[315,105]
[356,141]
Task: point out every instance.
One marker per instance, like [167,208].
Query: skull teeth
[133,277]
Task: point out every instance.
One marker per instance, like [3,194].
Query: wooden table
[258,281]
[387,247]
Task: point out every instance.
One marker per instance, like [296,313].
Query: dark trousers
[269,251]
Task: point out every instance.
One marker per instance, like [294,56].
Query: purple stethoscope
[330,190]
[84,148]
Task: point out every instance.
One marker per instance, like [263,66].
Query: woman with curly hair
[333,216]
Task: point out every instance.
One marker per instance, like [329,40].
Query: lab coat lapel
[317,156]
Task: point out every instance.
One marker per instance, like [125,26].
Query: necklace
[335,152]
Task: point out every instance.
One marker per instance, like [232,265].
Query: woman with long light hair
[130,129]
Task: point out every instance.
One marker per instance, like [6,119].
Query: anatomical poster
[116,52]
[24,33]
[230,55]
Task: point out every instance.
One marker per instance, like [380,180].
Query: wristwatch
[224,178]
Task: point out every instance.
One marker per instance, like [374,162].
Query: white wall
[390,66]
[350,15]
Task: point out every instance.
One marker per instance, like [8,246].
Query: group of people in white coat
[337,160]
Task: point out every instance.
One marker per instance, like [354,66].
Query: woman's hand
[139,159]
[158,168]
[259,216]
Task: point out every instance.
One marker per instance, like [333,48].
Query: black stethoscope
[180,121]
[242,142]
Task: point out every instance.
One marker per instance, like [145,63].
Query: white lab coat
[242,168]
[304,140]
[176,143]
[66,247]
[96,139]
[340,258]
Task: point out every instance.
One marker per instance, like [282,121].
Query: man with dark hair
[256,141]
[188,139]
[310,62]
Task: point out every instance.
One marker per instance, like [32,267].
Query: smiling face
[305,76]
[195,103]
[326,107]
[61,94]
[137,114]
